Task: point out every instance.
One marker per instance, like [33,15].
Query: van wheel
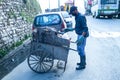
[97,16]
[110,17]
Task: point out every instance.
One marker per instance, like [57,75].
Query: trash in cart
[47,45]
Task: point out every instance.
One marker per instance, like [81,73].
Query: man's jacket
[81,25]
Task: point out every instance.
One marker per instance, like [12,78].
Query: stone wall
[15,25]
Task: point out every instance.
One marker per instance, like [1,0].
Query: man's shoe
[80,67]
[82,60]
[80,64]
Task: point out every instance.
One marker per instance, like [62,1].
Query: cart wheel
[40,62]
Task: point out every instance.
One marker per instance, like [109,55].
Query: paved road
[102,51]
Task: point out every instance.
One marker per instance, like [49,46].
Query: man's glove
[68,29]
[80,40]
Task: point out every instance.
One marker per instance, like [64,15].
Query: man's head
[73,10]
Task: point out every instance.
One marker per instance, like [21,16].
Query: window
[47,20]
[108,1]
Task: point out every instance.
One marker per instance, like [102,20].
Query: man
[81,30]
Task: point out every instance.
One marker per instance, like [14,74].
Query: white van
[107,8]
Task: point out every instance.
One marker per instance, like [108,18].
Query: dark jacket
[81,25]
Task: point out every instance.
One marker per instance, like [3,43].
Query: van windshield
[47,20]
[108,1]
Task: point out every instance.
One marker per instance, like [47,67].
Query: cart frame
[42,56]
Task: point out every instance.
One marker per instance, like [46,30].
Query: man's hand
[80,40]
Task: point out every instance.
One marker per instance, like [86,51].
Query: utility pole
[73,2]
[59,5]
[49,4]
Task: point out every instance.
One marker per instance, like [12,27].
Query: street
[102,52]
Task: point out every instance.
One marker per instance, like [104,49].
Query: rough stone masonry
[13,28]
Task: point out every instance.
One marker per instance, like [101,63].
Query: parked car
[67,18]
[51,19]
[54,20]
